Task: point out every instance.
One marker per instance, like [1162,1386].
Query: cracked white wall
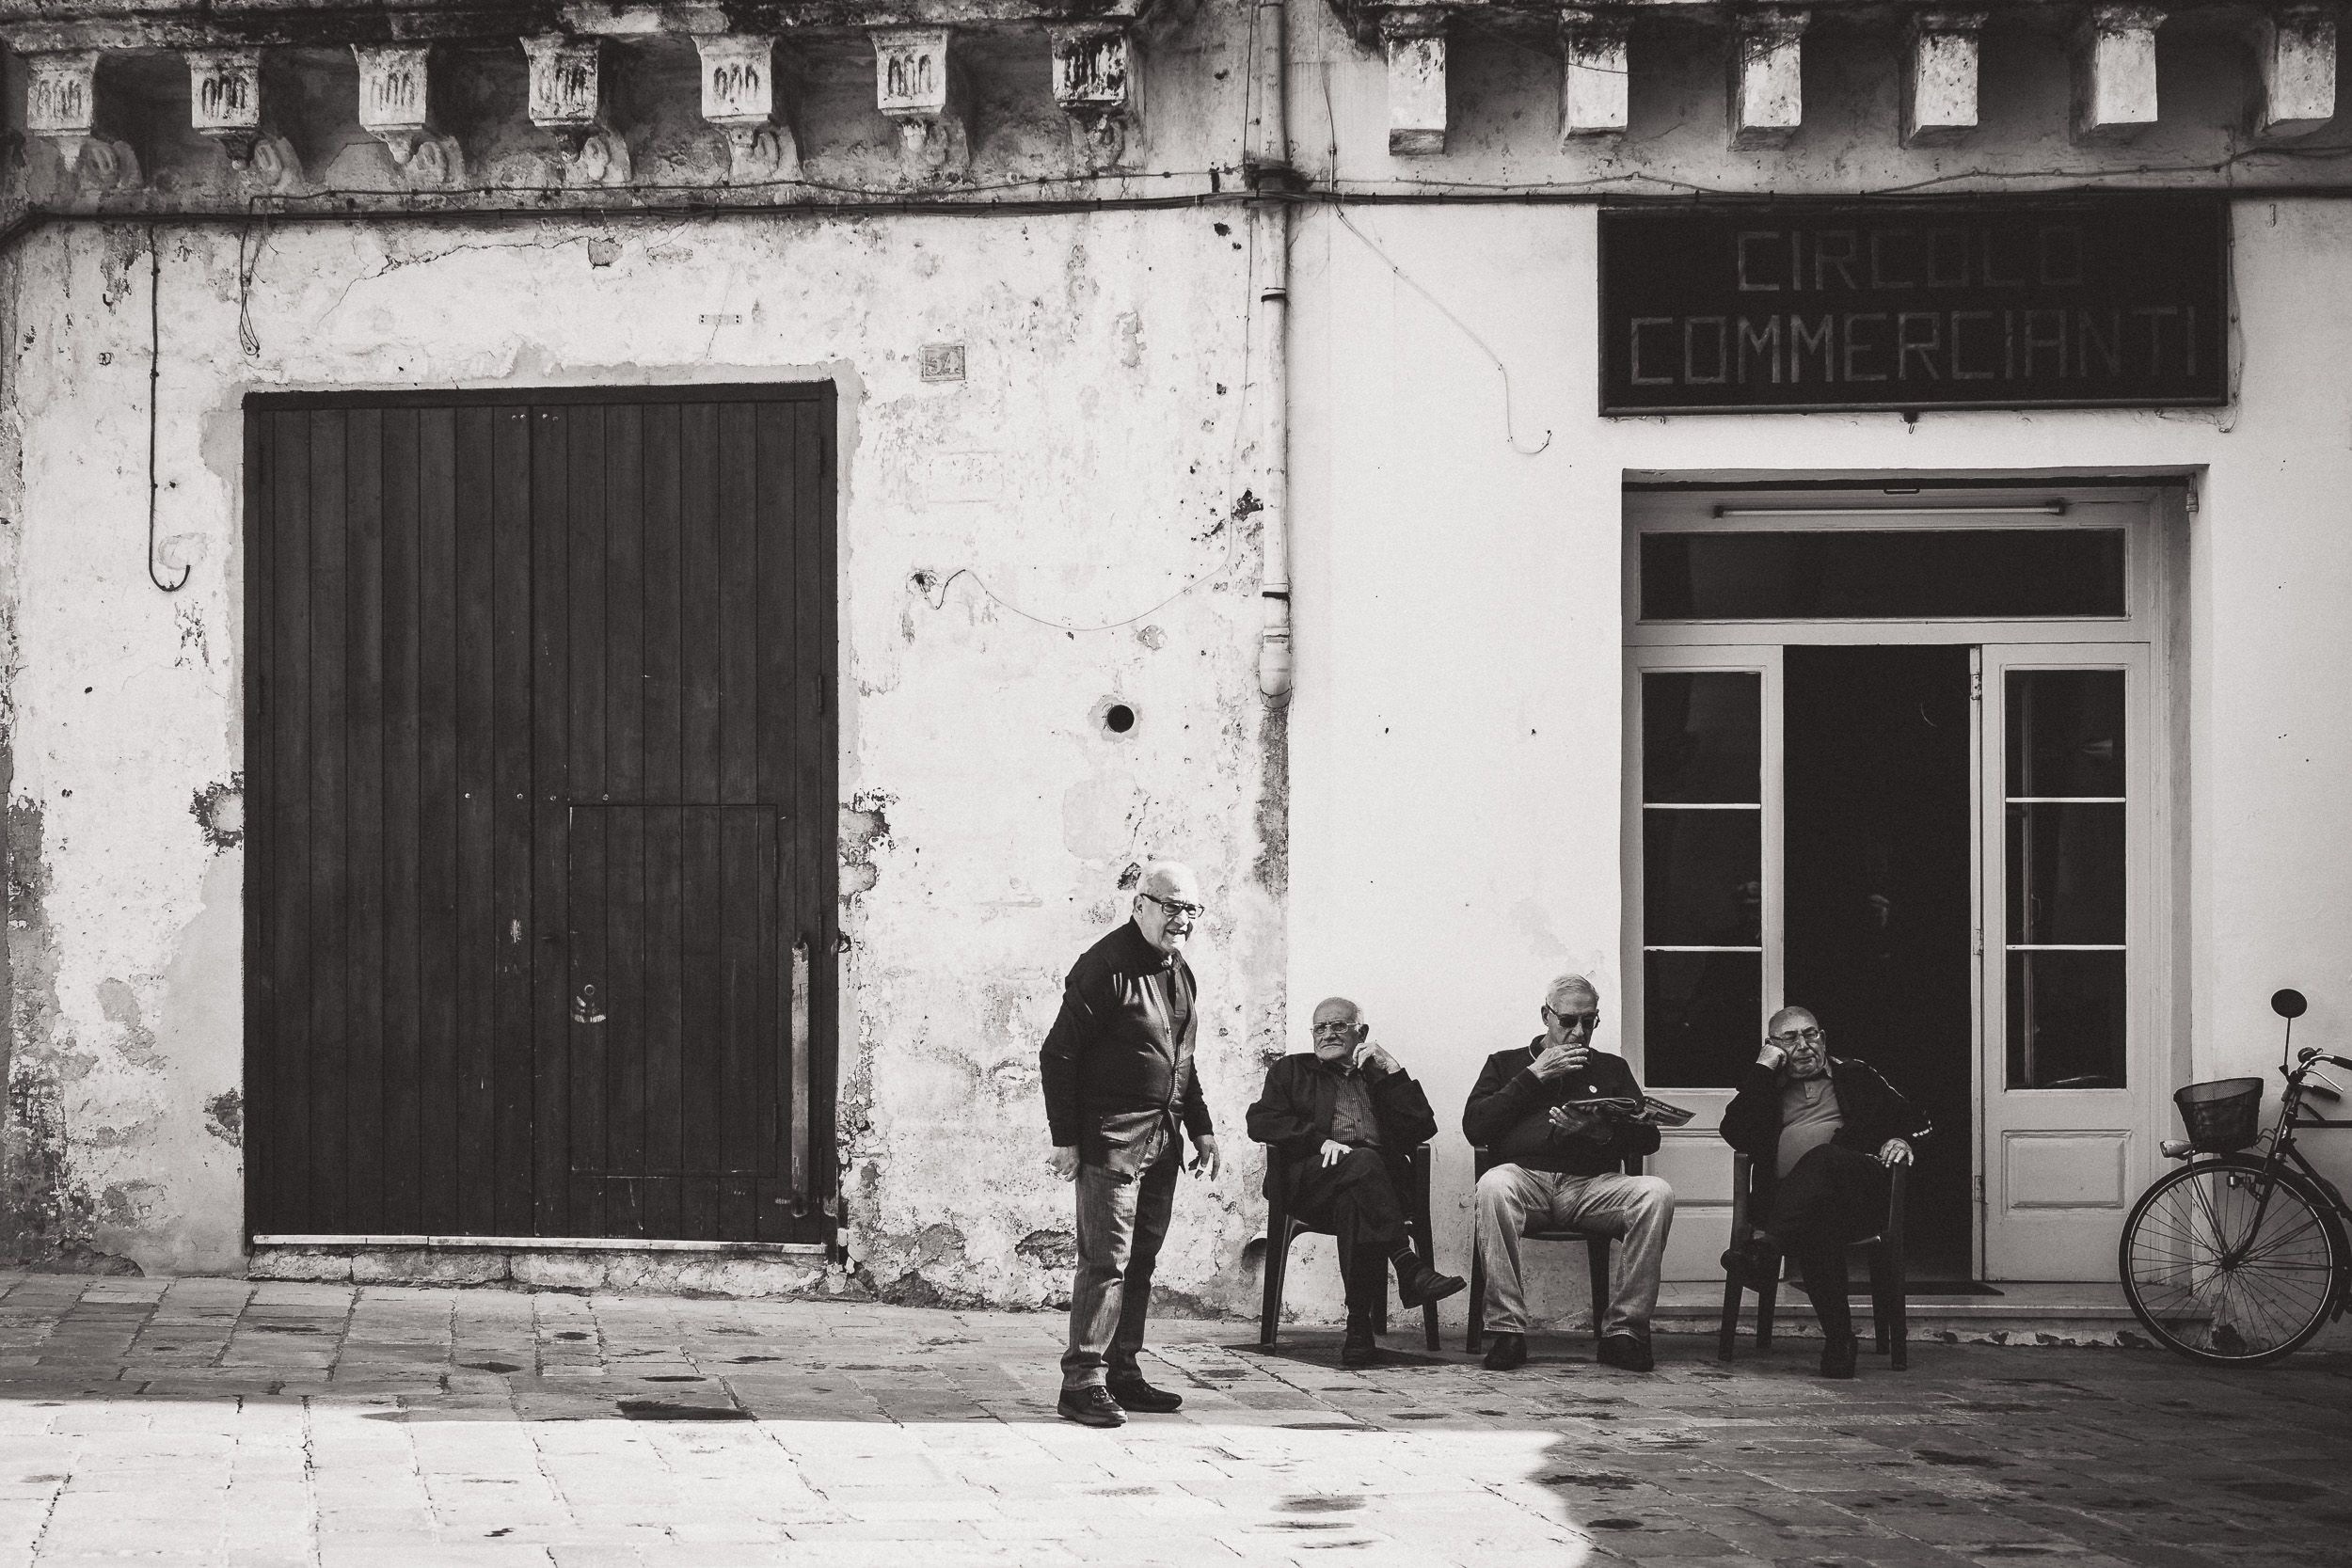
[1086,472]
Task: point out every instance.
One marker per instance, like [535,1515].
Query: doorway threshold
[2026,1312]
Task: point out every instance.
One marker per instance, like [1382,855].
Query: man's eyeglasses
[1810,1036]
[1573,1020]
[1178,907]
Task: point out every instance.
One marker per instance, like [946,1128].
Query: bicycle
[2238,1258]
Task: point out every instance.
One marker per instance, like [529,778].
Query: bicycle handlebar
[2311,1055]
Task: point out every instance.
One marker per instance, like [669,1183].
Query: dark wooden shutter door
[538,702]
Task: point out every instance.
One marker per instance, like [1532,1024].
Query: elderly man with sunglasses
[1119,1076]
[1560,1119]
[1824,1132]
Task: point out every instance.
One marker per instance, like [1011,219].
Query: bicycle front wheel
[2221,1273]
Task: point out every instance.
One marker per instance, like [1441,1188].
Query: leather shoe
[1427,1285]
[1133,1393]
[1839,1354]
[1506,1351]
[1626,1353]
[1091,1406]
[1360,1348]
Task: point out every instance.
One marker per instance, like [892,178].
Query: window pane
[1702,736]
[1703,1013]
[2065,1021]
[1849,574]
[1702,877]
[2065,731]
[2065,873]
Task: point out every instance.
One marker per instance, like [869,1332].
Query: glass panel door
[2067,815]
[1703,880]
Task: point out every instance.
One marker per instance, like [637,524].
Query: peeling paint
[224,1118]
[219,810]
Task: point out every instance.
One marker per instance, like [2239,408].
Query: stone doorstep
[745,1272]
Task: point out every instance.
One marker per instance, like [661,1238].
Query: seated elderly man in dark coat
[1341,1122]
[1824,1132]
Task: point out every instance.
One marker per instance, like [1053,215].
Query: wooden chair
[1595,1257]
[1283,1227]
[1890,1314]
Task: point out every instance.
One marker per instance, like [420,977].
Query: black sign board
[1795,306]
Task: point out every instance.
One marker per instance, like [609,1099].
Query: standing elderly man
[1343,1121]
[1560,1154]
[1824,1132]
[1119,1076]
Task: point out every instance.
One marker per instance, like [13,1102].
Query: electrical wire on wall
[154,382]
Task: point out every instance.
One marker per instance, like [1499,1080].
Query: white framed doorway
[1900,755]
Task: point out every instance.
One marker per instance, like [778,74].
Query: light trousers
[1637,1210]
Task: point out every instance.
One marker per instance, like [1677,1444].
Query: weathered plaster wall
[1461,637]
[1089,470]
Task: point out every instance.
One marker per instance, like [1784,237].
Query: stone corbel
[61,109]
[395,97]
[1767,76]
[1593,82]
[739,98]
[916,86]
[566,97]
[2115,72]
[2295,55]
[1940,77]
[1094,83]
[225,106]
[1414,40]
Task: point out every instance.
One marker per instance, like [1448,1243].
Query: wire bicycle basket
[2223,1115]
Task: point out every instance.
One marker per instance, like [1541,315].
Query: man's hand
[1376,1059]
[1896,1152]
[1064,1162]
[1770,1056]
[1334,1152]
[1558,1060]
[1205,1160]
[1580,1121]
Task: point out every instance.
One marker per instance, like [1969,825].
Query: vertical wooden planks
[438,1072]
[779,784]
[289,868]
[665,1018]
[700,918]
[258,666]
[478,934]
[582,1077]
[737,984]
[588,907]
[363,829]
[510,816]
[625,682]
[330,887]
[810,855]
[402,1212]
[554,509]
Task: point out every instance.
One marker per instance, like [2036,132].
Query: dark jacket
[1871,1110]
[1506,1114]
[1294,1115]
[1116,1082]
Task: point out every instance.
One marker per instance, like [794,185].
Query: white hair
[1161,875]
[1567,985]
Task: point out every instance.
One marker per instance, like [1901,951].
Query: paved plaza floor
[216,1421]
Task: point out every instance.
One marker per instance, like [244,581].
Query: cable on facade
[1510,433]
[154,382]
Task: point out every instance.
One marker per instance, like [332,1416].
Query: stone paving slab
[209,1422]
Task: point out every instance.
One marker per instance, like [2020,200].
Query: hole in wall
[1119,719]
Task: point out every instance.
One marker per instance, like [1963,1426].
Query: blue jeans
[1122,1223]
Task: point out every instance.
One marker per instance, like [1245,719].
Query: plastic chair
[1890,1314]
[1595,1257]
[1282,1229]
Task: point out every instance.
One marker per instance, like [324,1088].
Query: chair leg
[1767,1291]
[1476,1339]
[1425,1242]
[1882,1310]
[1278,1247]
[1728,1330]
[1597,1258]
[1898,1304]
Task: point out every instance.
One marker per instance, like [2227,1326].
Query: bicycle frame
[2283,1153]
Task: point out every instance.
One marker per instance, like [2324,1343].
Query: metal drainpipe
[1268,163]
